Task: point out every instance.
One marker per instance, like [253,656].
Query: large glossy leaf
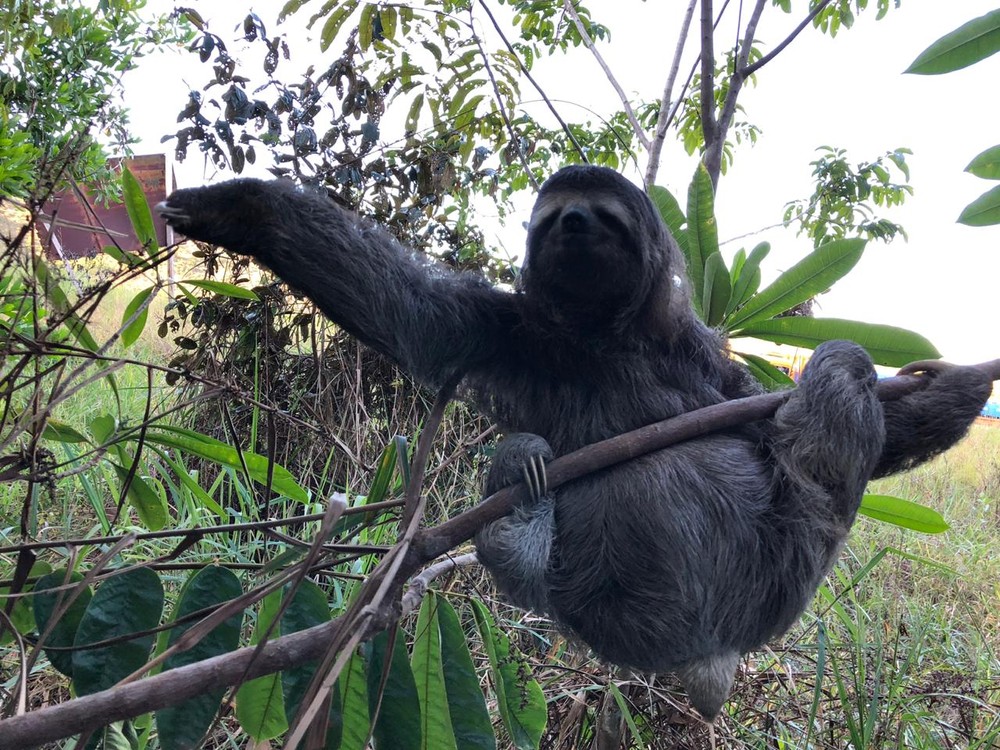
[182,726]
[747,280]
[306,609]
[519,698]
[983,211]
[138,212]
[904,513]
[986,164]
[63,632]
[815,273]
[718,290]
[128,603]
[207,447]
[260,706]
[428,672]
[702,232]
[398,724]
[670,211]
[470,719]
[887,345]
[968,44]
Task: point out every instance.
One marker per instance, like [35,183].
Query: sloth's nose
[575,219]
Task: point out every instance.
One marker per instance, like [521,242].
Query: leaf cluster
[967,45]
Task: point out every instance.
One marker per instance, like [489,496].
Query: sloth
[684,559]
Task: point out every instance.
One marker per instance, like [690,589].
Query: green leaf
[209,448]
[388,18]
[717,289]
[398,724]
[183,725]
[413,116]
[221,287]
[64,631]
[62,432]
[702,232]
[748,280]
[670,212]
[148,503]
[260,707]
[307,609]
[354,698]
[904,513]
[428,672]
[366,26]
[986,164]
[470,719]
[335,21]
[138,212]
[519,698]
[887,345]
[815,273]
[968,44]
[983,211]
[102,427]
[131,332]
[130,602]
[767,374]
[60,303]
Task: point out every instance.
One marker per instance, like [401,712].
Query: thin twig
[640,133]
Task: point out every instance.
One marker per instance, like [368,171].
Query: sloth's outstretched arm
[432,321]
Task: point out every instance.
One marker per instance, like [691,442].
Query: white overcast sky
[847,92]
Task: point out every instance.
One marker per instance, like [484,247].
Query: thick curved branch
[177,685]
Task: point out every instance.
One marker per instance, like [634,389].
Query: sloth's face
[583,248]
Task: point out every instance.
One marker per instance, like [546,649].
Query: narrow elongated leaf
[968,44]
[815,273]
[428,672]
[748,279]
[986,164]
[670,212]
[306,609]
[335,21]
[718,291]
[519,698]
[904,513]
[887,345]
[470,719]
[260,706]
[221,287]
[207,447]
[354,698]
[983,211]
[62,432]
[767,374]
[398,724]
[63,632]
[702,232]
[138,212]
[182,726]
[124,604]
[131,332]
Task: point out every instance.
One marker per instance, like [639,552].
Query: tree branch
[177,685]
[664,116]
[589,43]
